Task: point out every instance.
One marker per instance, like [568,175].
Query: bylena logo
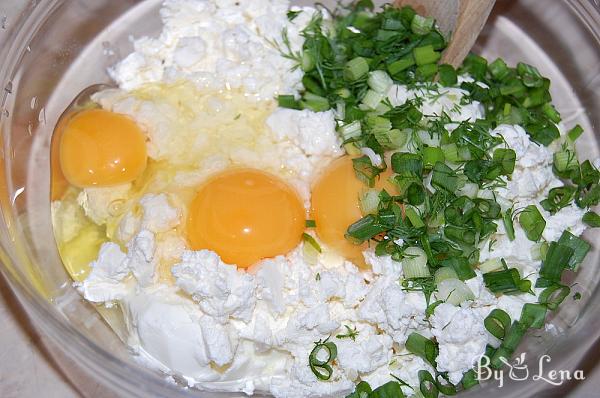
[518,370]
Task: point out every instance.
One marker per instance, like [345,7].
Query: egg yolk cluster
[245,215]
[99,148]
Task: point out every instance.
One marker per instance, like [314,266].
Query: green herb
[509,345]
[497,323]
[554,295]
[592,219]
[577,296]
[308,239]
[391,389]
[532,222]
[469,379]
[580,248]
[351,333]
[362,390]
[427,385]
[507,219]
[310,224]
[533,316]
[422,347]
[322,367]
[507,281]
[557,259]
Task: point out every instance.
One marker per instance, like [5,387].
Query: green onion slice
[497,323]
[321,367]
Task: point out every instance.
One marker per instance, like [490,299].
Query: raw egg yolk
[102,148]
[245,215]
[335,206]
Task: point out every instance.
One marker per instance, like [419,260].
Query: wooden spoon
[461,20]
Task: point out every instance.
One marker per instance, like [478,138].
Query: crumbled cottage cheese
[218,44]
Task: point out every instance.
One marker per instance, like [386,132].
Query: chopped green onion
[288,101]
[431,308]
[491,265]
[369,202]
[313,86]
[405,163]
[421,25]
[497,323]
[445,387]
[372,99]
[315,103]
[451,152]
[427,72]
[551,112]
[507,219]
[498,69]
[532,222]
[308,61]
[402,64]
[365,171]
[446,178]
[397,138]
[533,316]
[414,263]
[575,133]
[444,273]
[310,224]
[580,248]
[565,161]
[461,266]
[356,69]
[469,379]
[422,347]
[432,155]
[509,345]
[364,229]
[322,367]
[414,217]
[558,198]
[427,385]
[352,150]
[591,219]
[391,389]
[539,251]
[454,291]
[447,74]
[530,76]
[425,55]
[506,159]
[553,296]
[380,82]
[557,260]
[507,281]
[351,130]
[362,390]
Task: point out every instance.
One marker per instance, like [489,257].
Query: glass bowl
[56,48]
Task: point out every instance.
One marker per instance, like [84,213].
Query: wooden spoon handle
[460,19]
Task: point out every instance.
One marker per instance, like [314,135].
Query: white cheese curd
[220,290]
[104,283]
[533,176]
[219,45]
[159,215]
[568,218]
[99,204]
[461,337]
